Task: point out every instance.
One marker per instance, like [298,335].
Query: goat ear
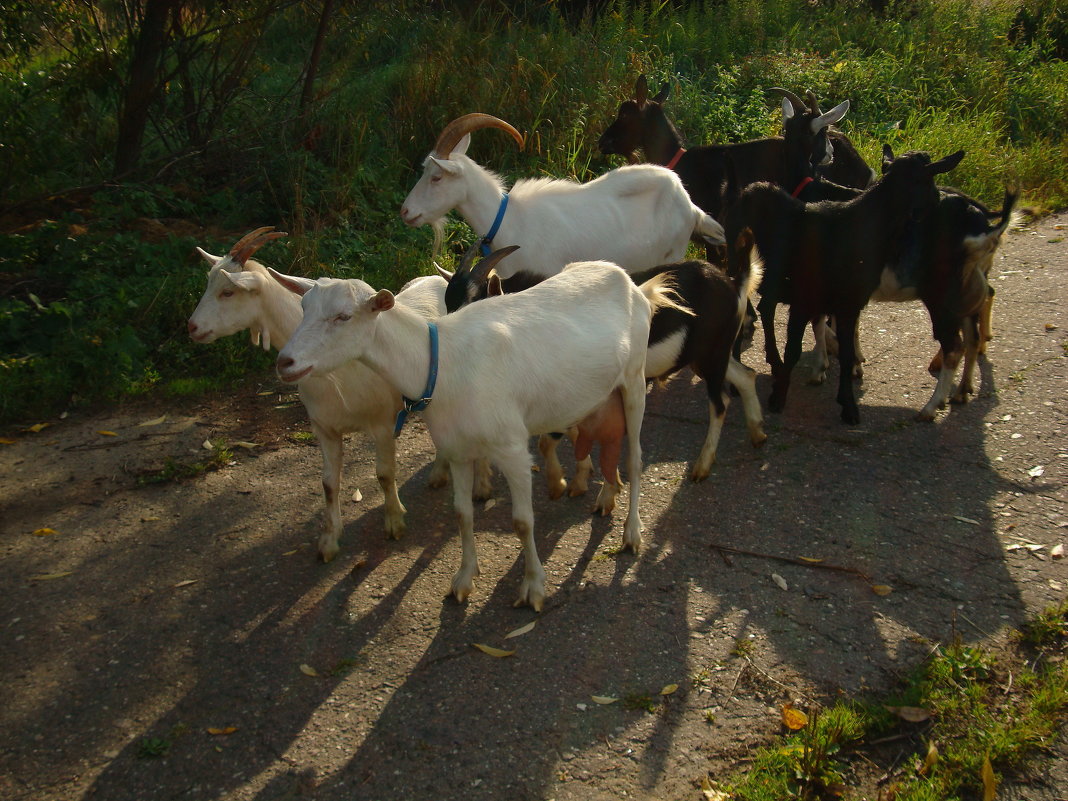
[449,166]
[212,260]
[383,301]
[494,287]
[662,95]
[888,156]
[831,117]
[641,91]
[293,283]
[250,282]
[946,164]
[787,110]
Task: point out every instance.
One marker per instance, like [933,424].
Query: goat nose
[192,327]
[284,363]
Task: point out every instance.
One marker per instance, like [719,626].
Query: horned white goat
[509,367]
[637,216]
[243,294]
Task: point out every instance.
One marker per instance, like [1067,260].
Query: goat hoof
[758,438]
[532,597]
[925,416]
[776,403]
[557,488]
[851,416]
[437,482]
[328,550]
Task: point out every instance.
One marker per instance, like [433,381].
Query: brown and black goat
[828,258]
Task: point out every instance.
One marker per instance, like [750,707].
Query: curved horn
[456,130]
[253,241]
[483,270]
[813,104]
[799,104]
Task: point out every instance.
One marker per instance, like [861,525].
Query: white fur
[637,216]
[352,398]
[530,363]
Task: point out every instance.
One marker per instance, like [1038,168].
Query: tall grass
[931,74]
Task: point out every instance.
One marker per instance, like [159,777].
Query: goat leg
[847,344]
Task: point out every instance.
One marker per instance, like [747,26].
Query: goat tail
[980,249]
[708,229]
[745,266]
[661,293]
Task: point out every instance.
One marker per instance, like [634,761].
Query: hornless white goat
[242,294]
[509,367]
[637,216]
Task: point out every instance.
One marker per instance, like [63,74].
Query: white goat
[637,216]
[242,294]
[509,367]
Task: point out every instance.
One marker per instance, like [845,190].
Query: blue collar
[432,379]
[495,227]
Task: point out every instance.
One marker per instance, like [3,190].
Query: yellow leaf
[489,649]
[793,718]
[913,714]
[990,781]
[882,589]
[185,583]
[155,422]
[44,532]
[150,518]
[247,445]
[810,559]
[206,445]
[521,630]
[221,730]
[6,441]
[50,576]
[308,670]
[37,427]
[290,553]
[780,581]
[490,504]
[668,689]
[104,433]
[710,793]
[603,699]
[930,759]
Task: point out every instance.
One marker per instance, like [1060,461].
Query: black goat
[701,340]
[828,258]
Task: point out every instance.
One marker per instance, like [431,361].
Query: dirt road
[179,640]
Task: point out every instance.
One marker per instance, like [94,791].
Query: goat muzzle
[458,128]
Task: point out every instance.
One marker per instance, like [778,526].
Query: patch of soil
[179,639]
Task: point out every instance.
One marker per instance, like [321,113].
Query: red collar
[801,186]
[675,159]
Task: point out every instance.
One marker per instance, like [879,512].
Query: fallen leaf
[44,532]
[185,583]
[780,581]
[990,781]
[1051,327]
[489,504]
[156,422]
[668,689]
[810,560]
[710,793]
[1058,551]
[489,649]
[265,392]
[519,632]
[882,589]
[308,670]
[290,553]
[50,576]
[206,445]
[247,445]
[913,714]
[150,518]
[223,730]
[6,441]
[1036,471]
[357,496]
[37,427]
[966,520]
[105,433]
[603,699]
[793,718]
[930,759]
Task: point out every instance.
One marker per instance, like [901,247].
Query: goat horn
[799,104]
[814,106]
[456,130]
[253,241]
[487,264]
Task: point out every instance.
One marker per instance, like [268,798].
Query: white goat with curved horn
[637,216]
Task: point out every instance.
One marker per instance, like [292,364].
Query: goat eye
[435,179]
[343,318]
[226,293]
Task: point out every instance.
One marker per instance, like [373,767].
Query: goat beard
[439,236]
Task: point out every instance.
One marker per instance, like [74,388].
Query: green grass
[96,285]
[1004,709]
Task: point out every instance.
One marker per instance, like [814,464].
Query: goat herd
[587,298]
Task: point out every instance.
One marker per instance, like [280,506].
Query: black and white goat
[698,333]
[829,258]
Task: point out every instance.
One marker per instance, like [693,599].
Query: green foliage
[93,301]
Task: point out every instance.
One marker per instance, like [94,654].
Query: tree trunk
[313,60]
[142,84]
